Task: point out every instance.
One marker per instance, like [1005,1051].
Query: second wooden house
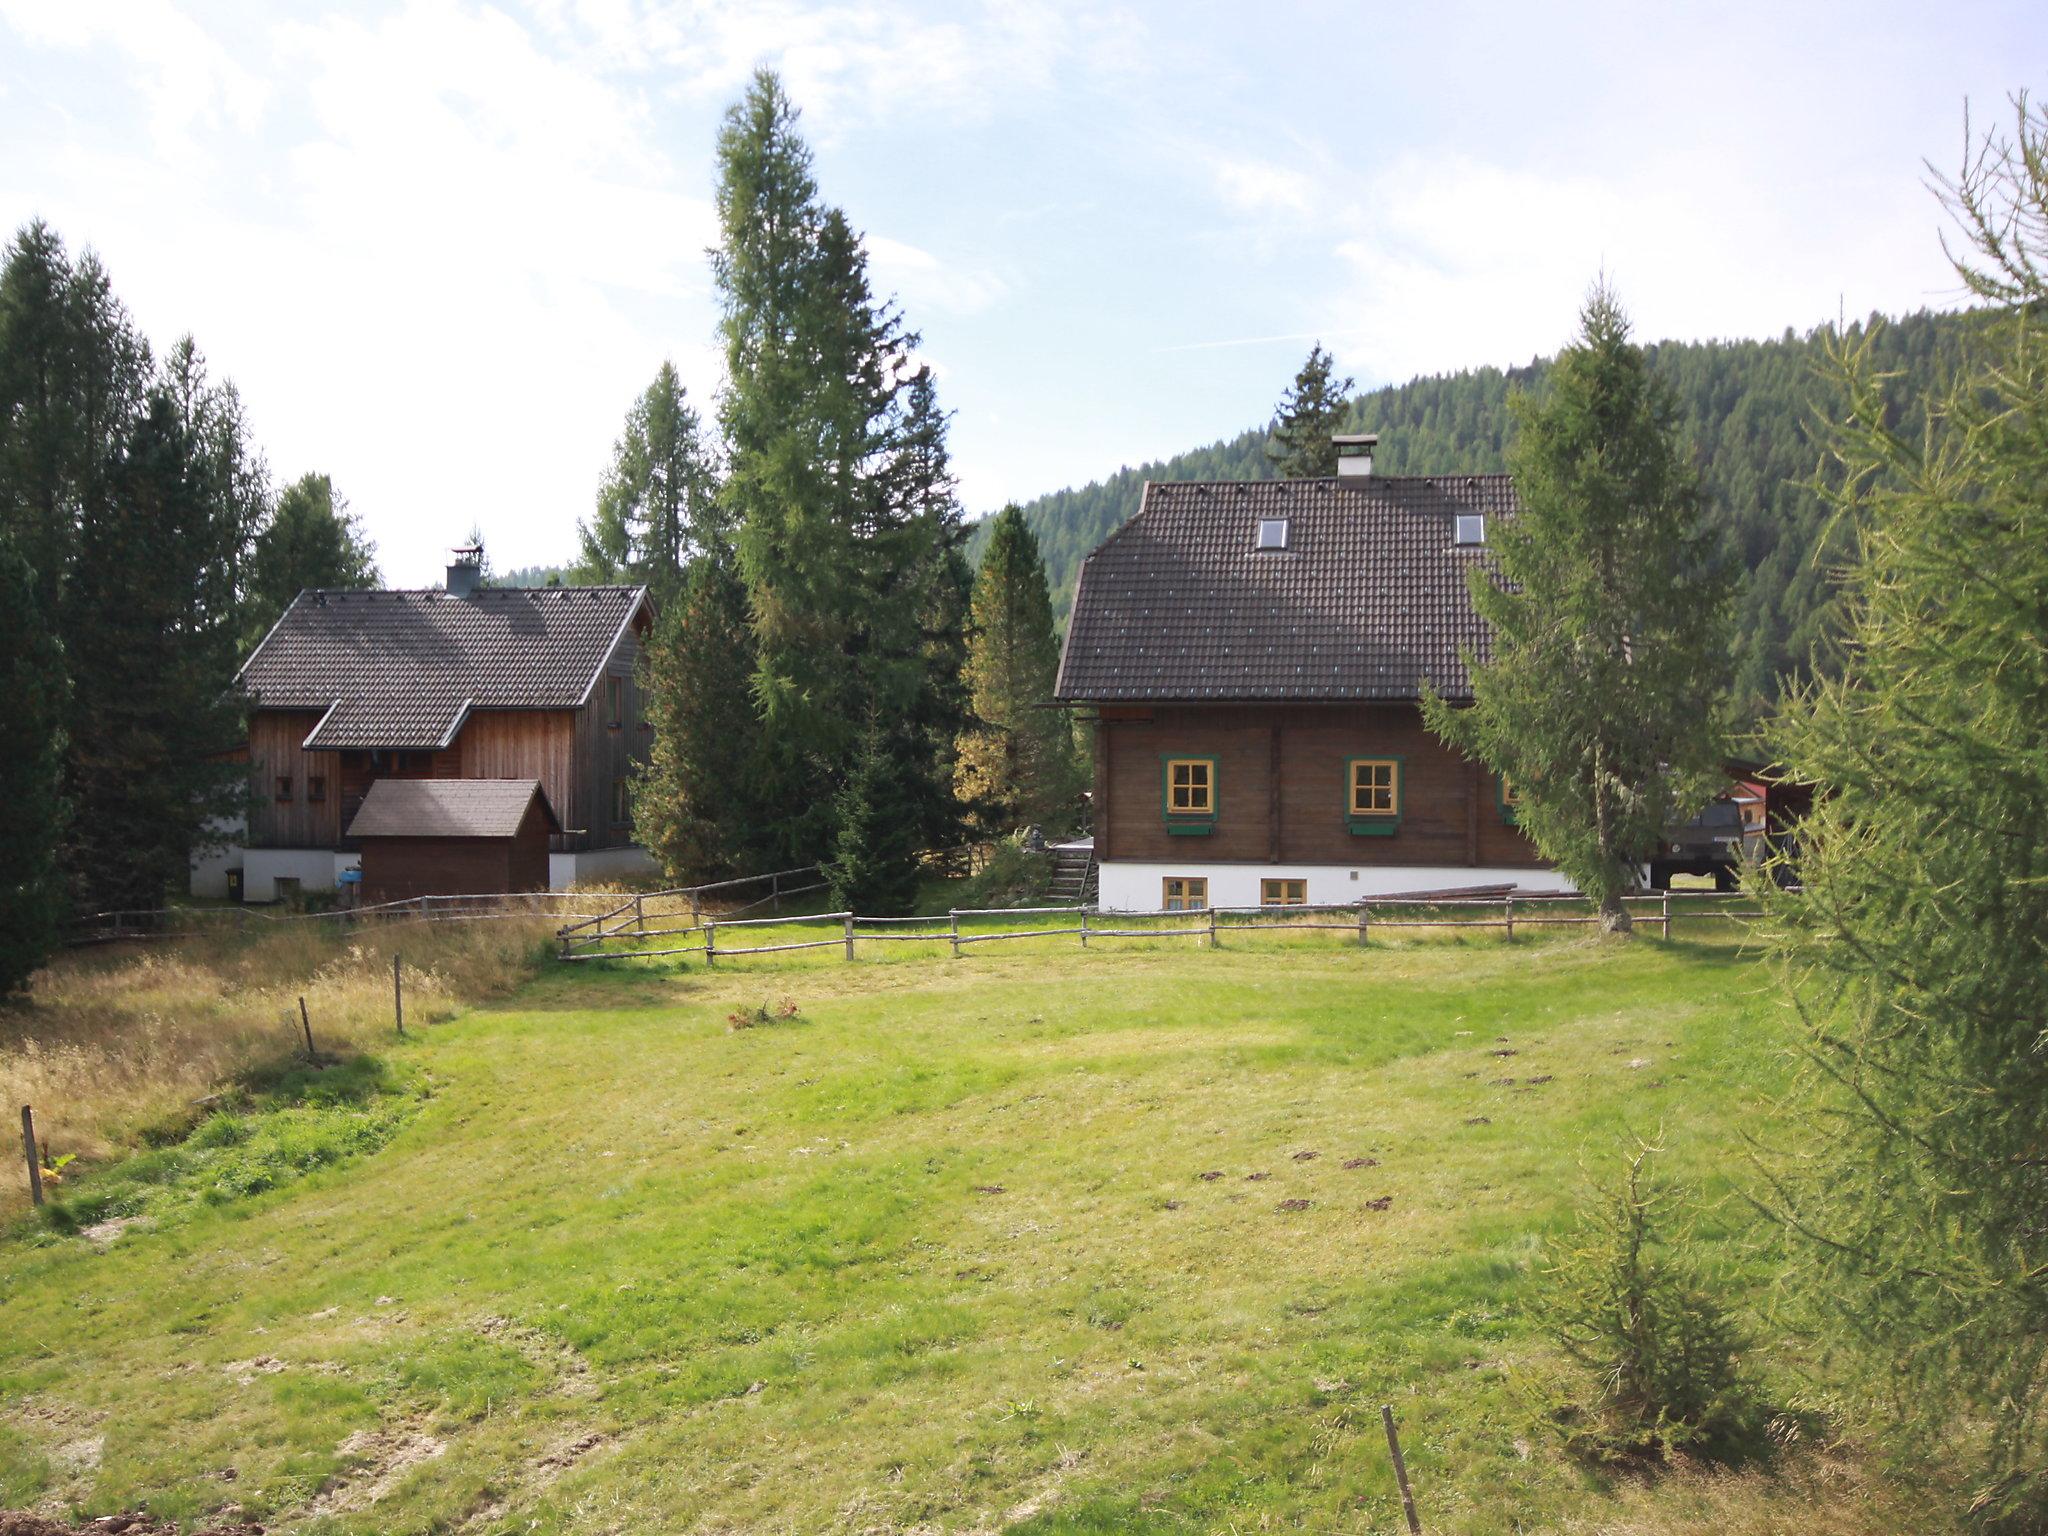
[351,689]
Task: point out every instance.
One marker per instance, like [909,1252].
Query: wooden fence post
[849,935]
[1084,927]
[306,1024]
[710,944]
[1212,927]
[775,894]
[28,1147]
[1508,908]
[1401,1471]
[1364,908]
[398,995]
[639,913]
[696,910]
[953,916]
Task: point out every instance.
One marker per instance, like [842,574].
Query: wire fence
[618,936]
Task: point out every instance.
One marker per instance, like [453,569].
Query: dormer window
[1272,533]
[1471,528]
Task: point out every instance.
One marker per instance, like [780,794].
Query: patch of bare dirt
[1361,1162]
[386,1456]
[570,1370]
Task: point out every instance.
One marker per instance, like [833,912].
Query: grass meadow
[1044,1240]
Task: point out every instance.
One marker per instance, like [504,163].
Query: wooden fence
[189,922]
[620,934]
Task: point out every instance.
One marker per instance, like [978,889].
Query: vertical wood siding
[274,750]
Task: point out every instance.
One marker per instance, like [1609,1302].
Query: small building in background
[351,690]
[453,837]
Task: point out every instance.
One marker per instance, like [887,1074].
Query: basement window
[1272,533]
[1283,893]
[1184,893]
[1471,528]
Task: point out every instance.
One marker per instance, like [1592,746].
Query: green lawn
[1013,1242]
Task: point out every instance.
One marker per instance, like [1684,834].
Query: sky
[441,245]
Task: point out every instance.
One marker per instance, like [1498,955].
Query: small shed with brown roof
[453,837]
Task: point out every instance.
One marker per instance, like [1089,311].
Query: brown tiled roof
[1366,601]
[448,808]
[402,669]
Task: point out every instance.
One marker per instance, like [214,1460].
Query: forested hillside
[1746,406]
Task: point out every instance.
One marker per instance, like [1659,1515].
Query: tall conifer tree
[659,505]
[1016,763]
[1917,947]
[33,692]
[152,660]
[311,540]
[845,522]
[1303,446]
[1609,620]
[697,804]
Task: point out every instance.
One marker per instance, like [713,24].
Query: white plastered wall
[1136,887]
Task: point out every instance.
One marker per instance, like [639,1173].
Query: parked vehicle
[1716,842]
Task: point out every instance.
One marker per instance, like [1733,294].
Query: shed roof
[1366,601]
[449,808]
[403,669]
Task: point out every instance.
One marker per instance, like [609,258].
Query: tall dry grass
[113,1045]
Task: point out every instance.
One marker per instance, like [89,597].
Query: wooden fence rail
[1362,918]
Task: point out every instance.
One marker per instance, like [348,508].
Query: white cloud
[187,78]
[925,284]
[1260,186]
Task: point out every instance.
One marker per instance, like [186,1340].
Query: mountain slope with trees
[1747,409]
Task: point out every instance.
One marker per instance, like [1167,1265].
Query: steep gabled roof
[403,669]
[449,808]
[1366,601]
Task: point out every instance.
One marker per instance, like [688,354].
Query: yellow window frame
[1283,893]
[1196,776]
[1184,893]
[1380,779]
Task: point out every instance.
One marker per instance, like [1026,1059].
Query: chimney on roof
[466,570]
[1354,454]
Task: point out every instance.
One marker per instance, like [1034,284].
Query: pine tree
[1608,621]
[151,717]
[695,804]
[658,506]
[33,900]
[1016,765]
[72,373]
[312,540]
[1917,950]
[873,869]
[1303,443]
[845,522]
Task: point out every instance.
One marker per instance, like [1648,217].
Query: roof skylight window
[1272,533]
[1471,528]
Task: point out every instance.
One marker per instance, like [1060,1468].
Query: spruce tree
[152,719]
[873,870]
[1608,620]
[696,802]
[1917,949]
[844,519]
[1016,764]
[312,540]
[659,503]
[33,900]
[1305,425]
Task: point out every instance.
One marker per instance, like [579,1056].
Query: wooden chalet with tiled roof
[1252,655]
[351,689]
